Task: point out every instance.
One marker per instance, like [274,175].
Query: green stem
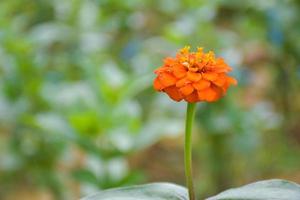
[188,149]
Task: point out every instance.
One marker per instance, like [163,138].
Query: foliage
[270,189]
[262,190]
[153,191]
[76,101]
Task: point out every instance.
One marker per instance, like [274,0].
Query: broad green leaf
[153,191]
[275,189]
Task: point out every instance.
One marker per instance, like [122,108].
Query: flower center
[193,67]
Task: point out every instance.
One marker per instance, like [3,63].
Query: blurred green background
[78,113]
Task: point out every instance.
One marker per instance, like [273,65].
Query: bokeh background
[78,113]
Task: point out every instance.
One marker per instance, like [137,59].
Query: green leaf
[84,175]
[153,191]
[275,189]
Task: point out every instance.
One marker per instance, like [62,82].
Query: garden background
[78,112]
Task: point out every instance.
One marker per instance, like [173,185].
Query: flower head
[193,76]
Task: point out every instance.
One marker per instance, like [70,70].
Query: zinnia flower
[193,76]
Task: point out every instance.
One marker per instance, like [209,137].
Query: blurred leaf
[263,190]
[135,86]
[85,122]
[154,191]
[84,175]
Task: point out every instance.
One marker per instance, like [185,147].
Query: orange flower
[193,76]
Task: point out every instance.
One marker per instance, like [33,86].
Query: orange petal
[221,66]
[169,61]
[192,76]
[179,71]
[193,69]
[225,87]
[209,94]
[161,69]
[222,69]
[167,79]
[221,80]
[202,84]
[173,93]
[157,85]
[182,82]
[192,98]
[210,76]
[186,90]
[231,80]
[200,65]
